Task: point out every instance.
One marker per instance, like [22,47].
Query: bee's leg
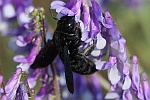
[43,31]
[89,49]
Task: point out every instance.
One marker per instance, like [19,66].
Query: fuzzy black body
[66,41]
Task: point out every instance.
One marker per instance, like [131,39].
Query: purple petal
[127,95]
[24,66]
[113,31]
[98,14]
[67,11]
[23,18]
[94,26]
[126,68]
[119,46]
[103,65]
[135,73]
[20,58]
[46,87]
[20,41]
[140,94]
[23,41]
[13,83]
[114,75]
[25,62]
[22,92]
[70,3]
[33,77]
[4,97]
[86,14]
[76,6]
[112,96]
[146,88]
[113,60]
[101,42]
[96,52]
[127,83]
[56,4]
[8,11]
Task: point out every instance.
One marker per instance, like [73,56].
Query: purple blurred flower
[13,84]
[136,85]
[22,92]
[47,86]
[145,86]
[32,79]
[12,11]
[131,88]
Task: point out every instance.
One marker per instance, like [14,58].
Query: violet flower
[22,92]
[139,89]
[13,84]
[15,10]
[14,14]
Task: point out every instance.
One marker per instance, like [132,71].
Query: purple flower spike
[135,73]
[47,86]
[127,95]
[146,87]
[127,83]
[117,41]
[113,31]
[22,92]
[114,74]
[56,4]
[112,96]
[33,77]
[98,13]
[136,85]
[12,84]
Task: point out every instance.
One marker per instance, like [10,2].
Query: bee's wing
[68,71]
[46,55]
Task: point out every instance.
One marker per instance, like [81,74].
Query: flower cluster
[13,17]
[98,28]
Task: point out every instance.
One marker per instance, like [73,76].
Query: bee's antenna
[53,15]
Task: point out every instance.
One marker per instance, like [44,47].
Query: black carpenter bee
[66,41]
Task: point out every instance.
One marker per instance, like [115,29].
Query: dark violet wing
[46,55]
[68,71]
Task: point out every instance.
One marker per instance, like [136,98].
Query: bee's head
[66,23]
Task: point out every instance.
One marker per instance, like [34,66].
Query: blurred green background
[133,23]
